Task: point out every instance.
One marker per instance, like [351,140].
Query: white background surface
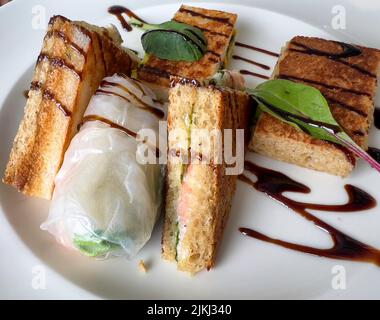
[246,268]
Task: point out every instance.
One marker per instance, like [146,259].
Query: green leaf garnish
[305,108]
[172,40]
[93,245]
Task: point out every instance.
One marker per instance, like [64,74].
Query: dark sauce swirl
[377,118]
[374,153]
[118,11]
[274,184]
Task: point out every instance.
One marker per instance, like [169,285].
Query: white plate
[246,268]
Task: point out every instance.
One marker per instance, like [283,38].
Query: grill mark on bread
[36,85]
[156,71]
[157,112]
[348,50]
[61,35]
[59,63]
[205,29]
[48,95]
[351,65]
[82,29]
[346,106]
[358,133]
[214,53]
[293,78]
[339,103]
[198,14]
[358,68]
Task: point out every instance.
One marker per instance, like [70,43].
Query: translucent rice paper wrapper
[106,201]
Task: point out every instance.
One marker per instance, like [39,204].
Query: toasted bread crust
[74,58]
[212,190]
[349,86]
[218,29]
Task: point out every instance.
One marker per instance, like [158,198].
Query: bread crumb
[142,266]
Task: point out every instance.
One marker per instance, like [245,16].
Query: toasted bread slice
[75,57]
[218,28]
[348,84]
[199,195]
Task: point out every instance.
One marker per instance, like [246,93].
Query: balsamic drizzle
[113,125]
[198,14]
[254,74]
[111,93]
[329,56]
[374,153]
[377,118]
[48,95]
[61,35]
[157,112]
[349,50]
[274,184]
[270,53]
[59,63]
[110,123]
[260,65]
[118,11]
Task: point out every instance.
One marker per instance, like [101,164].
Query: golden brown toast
[218,28]
[75,57]
[202,192]
[348,84]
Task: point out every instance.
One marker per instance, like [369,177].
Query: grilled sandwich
[349,85]
[199,194]
[219,30]
[75,57]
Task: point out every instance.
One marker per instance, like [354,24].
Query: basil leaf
[172,40]
[305,108]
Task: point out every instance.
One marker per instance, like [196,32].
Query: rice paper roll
[106,200]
